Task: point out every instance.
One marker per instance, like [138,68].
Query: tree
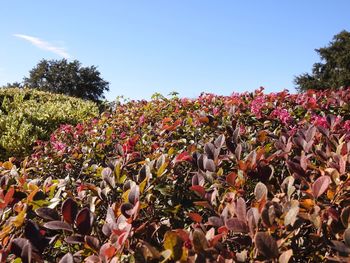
[334,69]
[70,78]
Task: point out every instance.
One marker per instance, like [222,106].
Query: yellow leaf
[7,165]
[171,151]
[220,172]
[162,169]
[173,243]
[5,232]
[143,184]
[126,195]
[122,179]
[19,220]
[117,171]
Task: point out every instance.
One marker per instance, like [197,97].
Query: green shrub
[28,115]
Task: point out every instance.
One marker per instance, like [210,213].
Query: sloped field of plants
[244,178]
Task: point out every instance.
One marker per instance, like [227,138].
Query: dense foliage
[248,177]
[69,78]
[334,69]
[28,115]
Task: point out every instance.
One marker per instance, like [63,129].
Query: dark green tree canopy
[334,69]
[70,78]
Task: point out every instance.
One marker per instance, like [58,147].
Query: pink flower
[281,114]
[292,131]
[142,120]
[59,146]
[319,121]
[347,125]
[216,111]
[256,105]
[66,128]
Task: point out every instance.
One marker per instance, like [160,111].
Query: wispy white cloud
[44,45]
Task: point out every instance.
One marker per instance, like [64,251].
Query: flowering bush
[180,180]
[29,115]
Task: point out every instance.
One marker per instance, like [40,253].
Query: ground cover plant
[246,177]
[28,115]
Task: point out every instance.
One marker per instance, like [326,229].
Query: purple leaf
[215,221]
[108,177]
[253,217]
[266,245]
[236,225]
[75,239]
[320,185]
[260,191]
[126,209]
[92,242]
[47,213]
[134,194]
[69,210]
[21,247]
[220,141]
[84,221]
[68,258]
[345,216]
[241,209]
[58,225]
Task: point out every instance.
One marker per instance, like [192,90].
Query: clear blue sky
[190,46]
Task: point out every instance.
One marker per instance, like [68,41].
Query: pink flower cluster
[347,125]
[256,106]
[59,146]
[319,121]
[281,114]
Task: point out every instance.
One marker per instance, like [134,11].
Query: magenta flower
[281,114]
[216,111]
[58,146]
[256,106]
[347,125]
[319,121]
[66,128]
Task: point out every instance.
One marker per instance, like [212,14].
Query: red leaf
[222,229]
[182,157]
[198,189]
[195,217]
[320,185]
[202,203]
[8,198]
[107,250]
[216,239]
[231,178]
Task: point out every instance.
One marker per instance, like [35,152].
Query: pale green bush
[28,115]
